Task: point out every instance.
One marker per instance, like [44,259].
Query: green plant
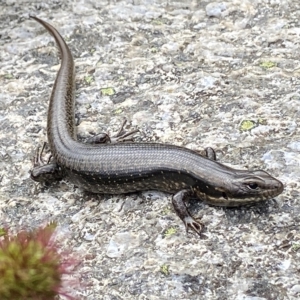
[31,266]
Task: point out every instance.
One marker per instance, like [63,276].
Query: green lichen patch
[109,91]
[170,231]
[118,111]
[262,121]
[9,76]
[296,247]
[267,64]
[88,79]
[247,125]
[154,50]
[165,211]
[159,21]
[164,269]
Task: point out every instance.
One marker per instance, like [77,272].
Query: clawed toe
[122,135]
[100,138]
[190,223]
[38,159]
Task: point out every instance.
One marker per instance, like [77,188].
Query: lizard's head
[46,173]
[244,187]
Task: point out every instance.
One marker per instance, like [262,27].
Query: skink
[131,167]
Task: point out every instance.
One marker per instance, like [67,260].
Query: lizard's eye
[253,186]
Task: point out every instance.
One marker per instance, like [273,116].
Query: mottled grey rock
[184,73]
[215,9]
